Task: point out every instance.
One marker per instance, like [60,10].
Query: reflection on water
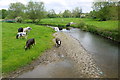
[105,52]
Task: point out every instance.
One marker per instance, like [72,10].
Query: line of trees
[33,10]
[75,13]
[107,10]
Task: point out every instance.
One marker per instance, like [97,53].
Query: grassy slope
[13,53]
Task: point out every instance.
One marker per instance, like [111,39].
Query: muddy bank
[70,60]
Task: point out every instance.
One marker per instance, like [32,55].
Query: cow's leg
[25,37]
[32,46]
[29,47]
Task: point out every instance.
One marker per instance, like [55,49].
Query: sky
[57,5]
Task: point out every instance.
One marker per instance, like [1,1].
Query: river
[104,51]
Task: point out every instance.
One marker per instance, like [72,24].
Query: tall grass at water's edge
[13,54]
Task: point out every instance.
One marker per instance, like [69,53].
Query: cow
[27,29]
[21,35]
[60,28]
[20,29]
[58,42]
[67,25]
[56,28]
[29,43]
[68,28]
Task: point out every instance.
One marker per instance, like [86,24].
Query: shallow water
[105,52]
[62,69]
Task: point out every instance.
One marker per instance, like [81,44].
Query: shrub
[92,28]
[81,24]
[18,19]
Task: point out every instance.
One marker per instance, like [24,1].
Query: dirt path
[70,60]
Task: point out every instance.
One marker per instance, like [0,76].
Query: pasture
[104,25]
[14,55]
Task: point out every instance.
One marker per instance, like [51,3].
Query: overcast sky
[57,5]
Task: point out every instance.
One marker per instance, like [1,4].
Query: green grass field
[13,54]
[103,25]
[107,25]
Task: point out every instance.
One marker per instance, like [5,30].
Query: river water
[104,51]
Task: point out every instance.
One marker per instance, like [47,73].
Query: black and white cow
[27,29]
[67,25]
[29,43]
[21,35]
[56,28]
[58,42]
[20,29]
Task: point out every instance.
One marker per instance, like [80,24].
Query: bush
[18,19]
[81,24]
[92,28]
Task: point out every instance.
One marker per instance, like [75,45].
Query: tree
[67,14]
[51,14]
[35,11]
[3,13]
[76,12]
[60,14]
[105,10]
[92,14]
[16,9]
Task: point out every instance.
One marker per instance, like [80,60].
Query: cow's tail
[17,36]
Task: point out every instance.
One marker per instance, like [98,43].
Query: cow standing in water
[58,42]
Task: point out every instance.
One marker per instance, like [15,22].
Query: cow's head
[26,48]
[29,28]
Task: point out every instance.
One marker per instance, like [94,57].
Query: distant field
[13,54]
[107,25]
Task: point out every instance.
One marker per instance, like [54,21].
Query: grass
[13,54]
[105,25]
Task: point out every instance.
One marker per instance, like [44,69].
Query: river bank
[70,60]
